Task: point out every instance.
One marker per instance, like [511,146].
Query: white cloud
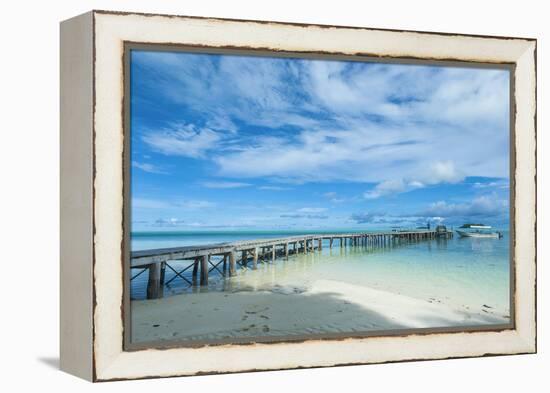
[273,188]
[221,123]
[487,205]
[386,187]
[141,203]
[170,222]
[443,172]
[333,197]
[194,205]
[225,184]
[182,140]
[144,203]
[389,219]
[312,209]
[313,216]
[351,122]
[492,184]
[390,187]
[147,167]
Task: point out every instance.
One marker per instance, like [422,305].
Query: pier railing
[247,252]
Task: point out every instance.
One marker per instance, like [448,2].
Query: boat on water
[478,231]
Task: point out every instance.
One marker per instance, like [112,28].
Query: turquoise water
[462,272]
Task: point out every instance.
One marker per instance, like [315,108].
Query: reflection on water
[462,271]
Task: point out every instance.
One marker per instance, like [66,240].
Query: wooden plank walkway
[251,251]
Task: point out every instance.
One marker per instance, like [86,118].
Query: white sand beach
[326,306]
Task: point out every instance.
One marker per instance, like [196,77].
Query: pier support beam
[195,270]
[320,247]
[155,288]
[244,258]
[273,253]
[232,264]
[255,259]
[286,250]
[204,270]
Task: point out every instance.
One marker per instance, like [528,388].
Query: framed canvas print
[246,195]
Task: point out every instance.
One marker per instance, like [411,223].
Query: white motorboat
[478,231]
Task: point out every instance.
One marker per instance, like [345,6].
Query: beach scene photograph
[286,198]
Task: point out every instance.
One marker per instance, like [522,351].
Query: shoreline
[327,306]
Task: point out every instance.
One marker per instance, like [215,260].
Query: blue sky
[220,142]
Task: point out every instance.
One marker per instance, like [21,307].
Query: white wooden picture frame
[93,188]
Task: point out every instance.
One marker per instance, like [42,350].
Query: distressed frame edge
[76,196]
[305,24]
[526,338]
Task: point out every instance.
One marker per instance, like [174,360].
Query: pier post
[305,246]
[286,250]
[320,244]
[162,275]
[244,258]
[195,270]
[330,242]
[255,259]
[232,267]
[273,253]
[204,270]
[154,288]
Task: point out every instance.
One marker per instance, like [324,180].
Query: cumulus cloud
[389,187]
[483,207]
[313,121]
[488,206]
[437,172]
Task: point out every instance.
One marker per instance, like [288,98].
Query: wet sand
[327,306]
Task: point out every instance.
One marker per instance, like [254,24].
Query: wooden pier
[247,254]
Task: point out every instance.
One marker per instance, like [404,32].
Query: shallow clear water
[461,272]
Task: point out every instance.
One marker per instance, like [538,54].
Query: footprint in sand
[256,311]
